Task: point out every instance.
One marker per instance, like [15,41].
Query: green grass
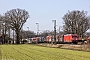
[32,52]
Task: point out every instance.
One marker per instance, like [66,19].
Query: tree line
[74,22]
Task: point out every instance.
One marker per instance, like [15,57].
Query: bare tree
[1,21]
[89,21]
[16,18]
[46,33]
[27,34]
[1,29]
[76,22]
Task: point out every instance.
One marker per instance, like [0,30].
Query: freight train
[68,38]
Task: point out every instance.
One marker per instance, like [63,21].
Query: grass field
[32,52]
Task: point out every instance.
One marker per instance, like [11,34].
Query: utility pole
[28,32]
[28,28]
[37,28]
[54,30]
[59,29]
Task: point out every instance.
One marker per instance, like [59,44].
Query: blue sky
[44,11]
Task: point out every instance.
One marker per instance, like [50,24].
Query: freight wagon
[37,40]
